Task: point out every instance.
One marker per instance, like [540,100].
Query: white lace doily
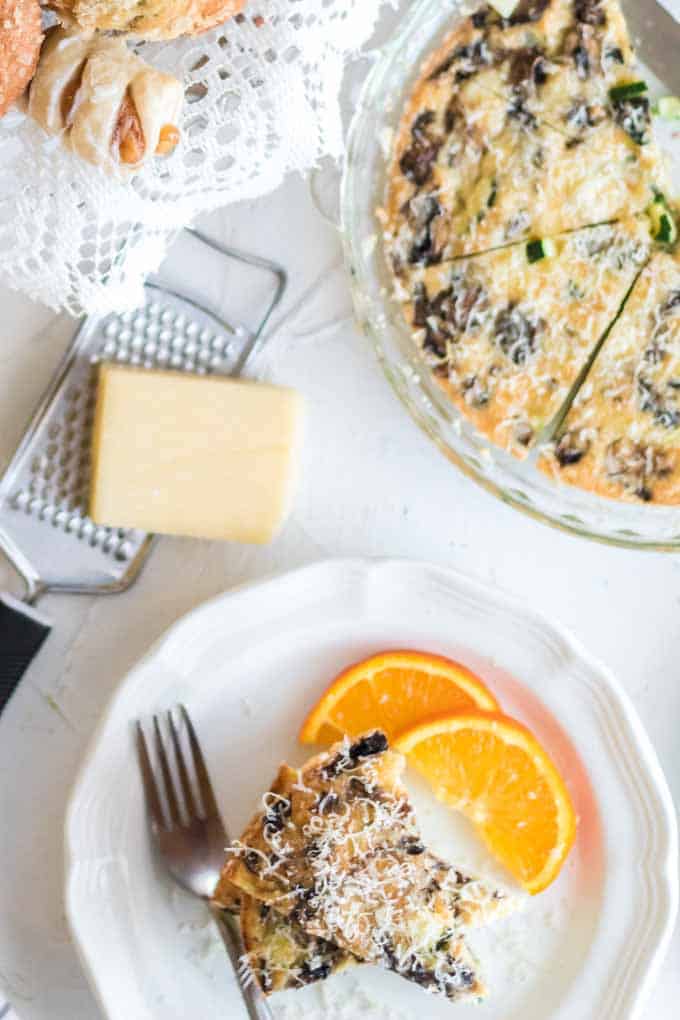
[262,100]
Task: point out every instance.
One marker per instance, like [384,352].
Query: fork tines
[174,802]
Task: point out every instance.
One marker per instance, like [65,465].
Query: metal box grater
[44,528]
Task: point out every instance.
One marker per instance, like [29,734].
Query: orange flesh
[495,772]
[393,690]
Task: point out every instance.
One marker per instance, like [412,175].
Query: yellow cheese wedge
[188,455]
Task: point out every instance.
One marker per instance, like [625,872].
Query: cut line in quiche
[393,690]
[621,437]
[493,770]
[507,333]
[520,128]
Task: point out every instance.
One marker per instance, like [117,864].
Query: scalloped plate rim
[616,703]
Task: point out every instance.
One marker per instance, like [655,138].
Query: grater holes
[57,494]
[95,535]
[71,417]
[123,551]
[73,523]
[109,349]
[39,464]
[86,529]
[110,543]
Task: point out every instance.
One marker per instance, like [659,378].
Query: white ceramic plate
[248,665]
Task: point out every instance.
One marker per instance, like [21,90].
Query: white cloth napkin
[262,101]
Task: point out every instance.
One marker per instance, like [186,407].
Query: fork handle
[253,998]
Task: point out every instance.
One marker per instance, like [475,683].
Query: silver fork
[188,832]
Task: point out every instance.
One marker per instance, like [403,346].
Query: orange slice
[492,769]
[393,690]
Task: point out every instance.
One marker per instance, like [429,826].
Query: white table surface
[372,484]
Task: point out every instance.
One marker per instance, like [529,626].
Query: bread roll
[149,19]
[20,39]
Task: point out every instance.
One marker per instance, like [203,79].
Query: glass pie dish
[516,482]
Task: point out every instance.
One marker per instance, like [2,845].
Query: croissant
[112,109]
[148,19]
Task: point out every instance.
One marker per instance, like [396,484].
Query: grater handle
[22,632]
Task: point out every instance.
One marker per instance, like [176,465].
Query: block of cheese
[192,455]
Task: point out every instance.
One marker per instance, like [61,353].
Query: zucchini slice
[664,227]
[630,90]
[543,248]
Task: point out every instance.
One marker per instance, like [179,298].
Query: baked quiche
[518,128]
[572,67]
[621,437]
[278,953]
[336,850]
[507,333]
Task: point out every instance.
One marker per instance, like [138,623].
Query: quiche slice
[337,851]
[621,438]
[501,141]
[549,62]
[278,952]
[562,69]
[507,333]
